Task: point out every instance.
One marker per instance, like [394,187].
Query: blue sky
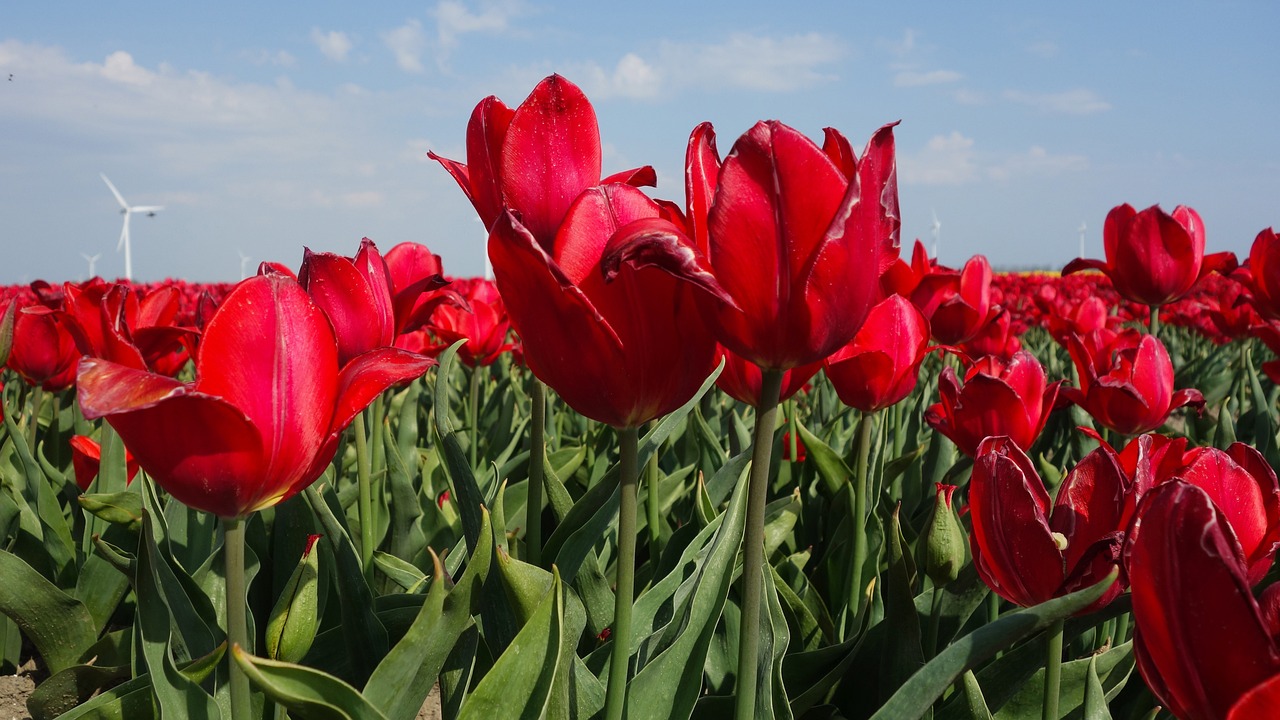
[263,128]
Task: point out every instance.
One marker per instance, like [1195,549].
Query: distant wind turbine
[1081,230]
[93,261]
[244,264]
[127,211]
[937,232]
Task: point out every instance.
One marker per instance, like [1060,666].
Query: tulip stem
[753,545]
[861,490]
[475,412]
[1154,325]
[364,483]
[237,627]
[935,620]
[537,456]
[653,506]
[620,654]
[1053,671]
[793,451]
[33,430]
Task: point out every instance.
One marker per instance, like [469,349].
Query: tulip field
[742,454]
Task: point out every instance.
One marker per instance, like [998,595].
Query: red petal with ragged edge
[658,243]
[590,221]
[635,177]
[270,352]
[878,203]
[1090,504]
[368,375]
[203,451]
[701,174]
[559,325]
[774,205]
[1012,547]
[551,154]
[1200,641]
[840,150]
[1243,486]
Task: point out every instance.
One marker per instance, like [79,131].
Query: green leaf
[1095,700]
[122,508]
[902,654]
[308,694]
[917,694]
[56,623]
[973,699]
[458,466]
[128,701]
[291,627]
[1112,668]
[831,467]
[402,573]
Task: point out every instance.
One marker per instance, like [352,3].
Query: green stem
[793,439]
[1122,629]
[935,620]
[365,485]
[861,490]
[753,545]
[1154,325]
[653,508]
[1053,671]
[33,430]
[237,627]
[620,654]
[537,456]
[475,410]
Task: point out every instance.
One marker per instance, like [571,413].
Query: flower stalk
[537,456]
[619,657]
[237,625]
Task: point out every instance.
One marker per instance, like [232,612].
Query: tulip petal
[1263,701]
[701,173]
[657,243]
[635,177]
[368,375]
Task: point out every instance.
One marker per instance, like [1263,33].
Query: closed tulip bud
[944,540]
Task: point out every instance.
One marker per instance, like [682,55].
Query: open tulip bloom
[996,398]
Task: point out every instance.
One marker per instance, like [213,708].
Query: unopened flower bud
[944,540]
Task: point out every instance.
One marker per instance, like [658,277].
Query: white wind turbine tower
[244,264]
[1081,230]
[93,261]
[127,211]
[937,231]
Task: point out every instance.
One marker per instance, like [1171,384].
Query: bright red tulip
[880,366]
[956,303]
[485,328]
[44,352]
[741,379]
[264,415]
[1200,639]
[997,337]
[796,239]
[418,286]
[356,295]
[1154,258]
[1262,274]
[1128,385]
[86,458]
[1029,549]
[997,398]
[126,326]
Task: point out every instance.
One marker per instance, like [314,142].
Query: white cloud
[913,78]
[953,159]
[1071,102]
[754,62]
[334,44]
[119,67]
[1037,161]
[407,43]
[280,58]
[454,20]
[632,77]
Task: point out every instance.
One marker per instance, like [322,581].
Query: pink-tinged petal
[657,243]
[270,352]
[590,221]
[1012,546]
[368,375]
[551,154]
[635,177]
[1262,701]
[701,174]
[1200,640]
[878,195]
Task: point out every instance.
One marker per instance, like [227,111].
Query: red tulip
[796,239]
[44,352]
[418,286]
[1269,334]
[620,352]
[1067,316]
[264,415]
[356,295]
[1029,549]
[1154,258]
[1200,639]
[485,328]
[1262,274]
[997,398]
[1230,313]
[121,324]
[1128,385]
[957,304]
[997,337]
[535,159]
[741,379]
[86,458]
[880,366]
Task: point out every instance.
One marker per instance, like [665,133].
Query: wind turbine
[937,231]
[1081,230]
[93,260]
[127,211]
[244,264]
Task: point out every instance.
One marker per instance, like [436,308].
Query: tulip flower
[1261,274]
[418,287]
[880,366]
[86,459]
[996,398]
[997,337]
[956,303]
[1127,385]
[264,415]
[1200,640]
[741,380]
[485,327]
[356,295]
[44,352]
[117,323]
[1028,548]
[1231,314]
[1269,334]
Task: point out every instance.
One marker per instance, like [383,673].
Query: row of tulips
[295,403]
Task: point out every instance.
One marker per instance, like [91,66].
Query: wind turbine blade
[147,208]
[124,233]
[114,191]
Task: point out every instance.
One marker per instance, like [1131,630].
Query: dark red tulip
[485,327]
[997,337]
[86,458]
[621,352]
[1230,312]
[1029,549]
[1200,639]
[795,241]
[957,304]
[741,379]
[879,367]
[1127,385]
[129,327]
[1262,274]
[1152,257]
[266,410]
[356,295]
[1269,334]
[44,352]
[997,398]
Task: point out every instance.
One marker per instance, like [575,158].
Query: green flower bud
[944,538]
